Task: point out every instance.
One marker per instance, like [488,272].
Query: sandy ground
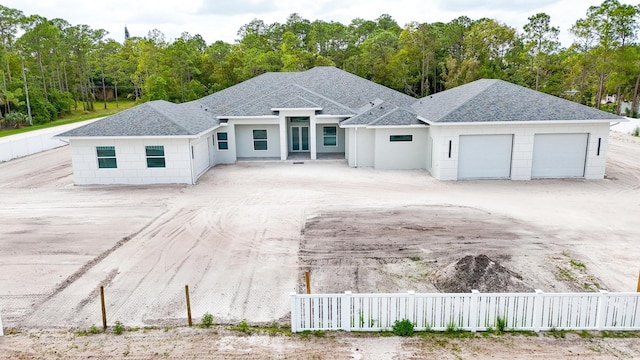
[243,237]
[194,343]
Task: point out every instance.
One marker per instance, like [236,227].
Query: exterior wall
[446,168]
[340,146]
[401,154]
[206,138]
[365,142]
[227,156]
[131,162]
[244,141]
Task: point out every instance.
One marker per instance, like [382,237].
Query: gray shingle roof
[490,100]
[336,91]
[297,103]
[384,114]
[155,118]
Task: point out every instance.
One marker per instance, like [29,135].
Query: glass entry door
[299,138]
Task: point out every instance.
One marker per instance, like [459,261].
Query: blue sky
[220,20]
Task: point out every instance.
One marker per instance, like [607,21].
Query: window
[155,156]
[401,138]
[106,157]
[223,143]
[329,135]
[259,139]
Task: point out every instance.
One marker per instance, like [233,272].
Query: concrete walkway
[32,142]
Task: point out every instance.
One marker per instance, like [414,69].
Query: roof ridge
[493,82]
[166,116]
[301,98]
[383,116]
[324,97]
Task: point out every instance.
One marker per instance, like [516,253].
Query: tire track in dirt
[89,265]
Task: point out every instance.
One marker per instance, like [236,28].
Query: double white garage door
[490,156]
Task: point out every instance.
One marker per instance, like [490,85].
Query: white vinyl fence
[473,311]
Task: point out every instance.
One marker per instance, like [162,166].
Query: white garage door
[485,156]
[559,155]
[201,156]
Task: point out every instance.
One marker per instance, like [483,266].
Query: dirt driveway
[242,238]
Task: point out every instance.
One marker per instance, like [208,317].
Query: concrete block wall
[446,168]
[131,162]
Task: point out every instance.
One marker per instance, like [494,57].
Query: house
[487,129]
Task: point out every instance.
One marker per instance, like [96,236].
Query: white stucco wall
[401,154]
[224,156]
[364,140]
[244,141]
[340,144]
[131,162]
[446,168]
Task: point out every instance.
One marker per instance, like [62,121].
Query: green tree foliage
[70,66]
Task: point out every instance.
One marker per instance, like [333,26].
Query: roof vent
[205,109]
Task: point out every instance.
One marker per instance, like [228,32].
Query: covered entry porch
[310,138]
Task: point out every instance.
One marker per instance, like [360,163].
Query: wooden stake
[186,290]
[638,282]
[104,309]
[306,276]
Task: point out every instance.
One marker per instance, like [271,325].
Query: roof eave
[297,109]
[233,117]
[534,122]
[128,137]
[416,126]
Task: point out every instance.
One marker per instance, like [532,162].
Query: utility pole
[26,90]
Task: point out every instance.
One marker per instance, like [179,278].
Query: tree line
[63,67]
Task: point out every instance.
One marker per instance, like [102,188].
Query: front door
[299,138]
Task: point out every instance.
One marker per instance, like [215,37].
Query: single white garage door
[201,156]
[559,155]
[485,156]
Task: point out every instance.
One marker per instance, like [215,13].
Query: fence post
[104,309]
[602,308]
[537,310]
[638,290]
[345,311]
[186,291]
[308,281]
[473,310]
[294,313]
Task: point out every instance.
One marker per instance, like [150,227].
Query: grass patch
[558,334]
[620,334]
[414,258]
[91,331]
[577,264]
[75,116]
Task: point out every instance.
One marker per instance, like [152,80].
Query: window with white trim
[260,140]
[155,156]
[223,143]
[330,136]
[106,157]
